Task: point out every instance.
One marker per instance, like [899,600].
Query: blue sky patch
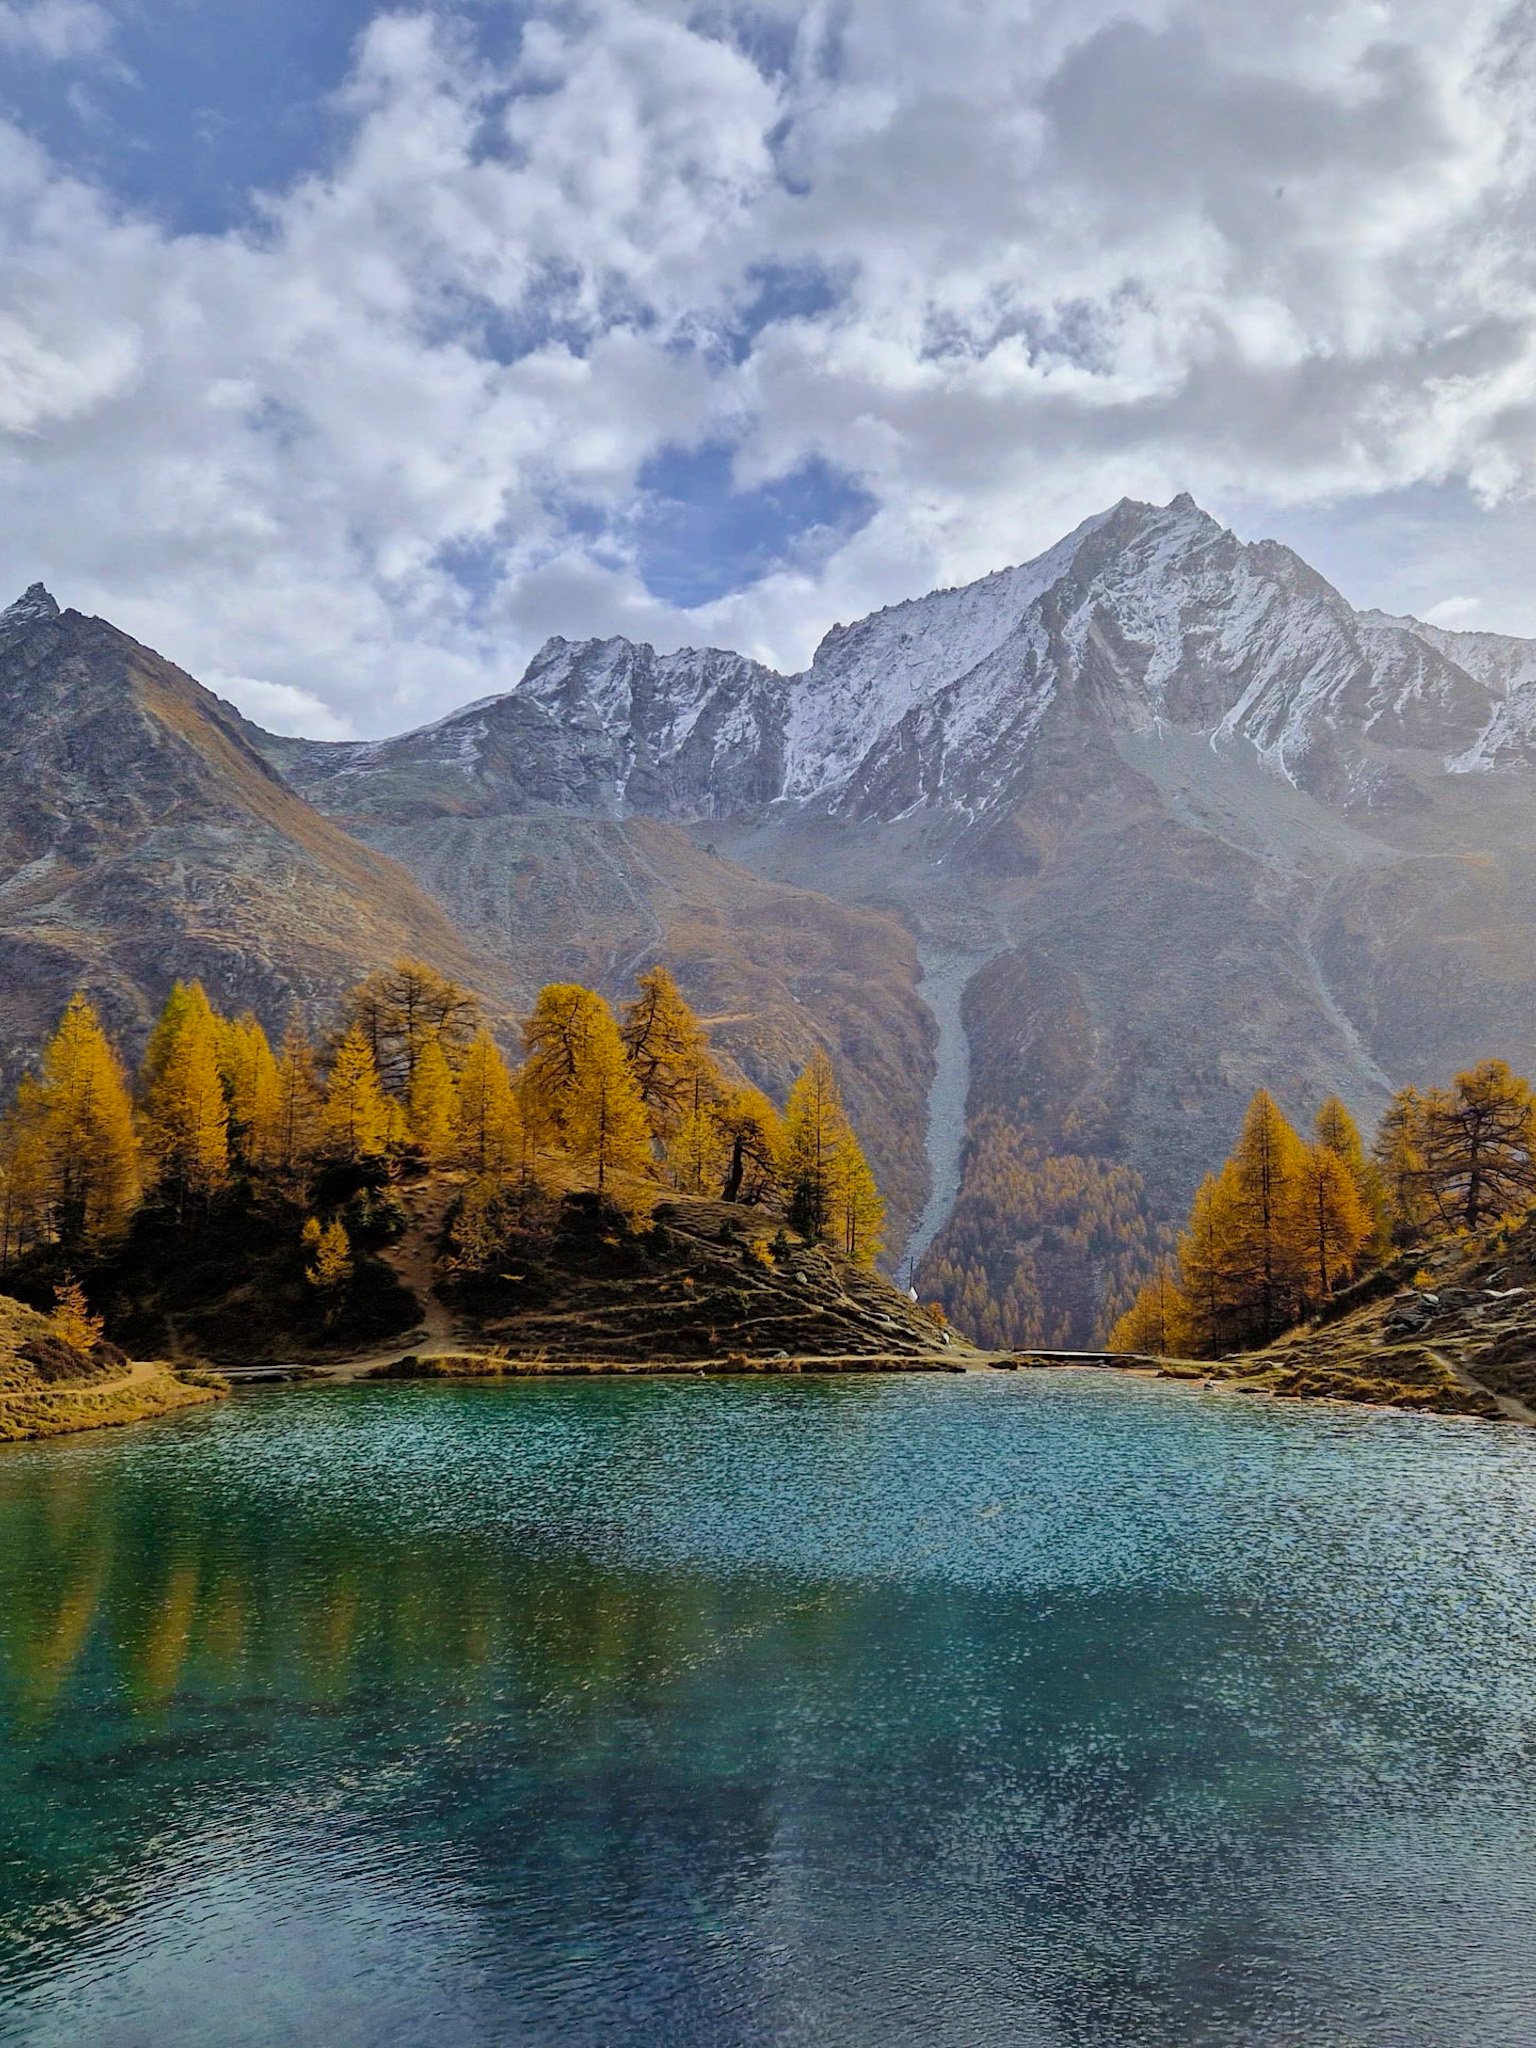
[701,538]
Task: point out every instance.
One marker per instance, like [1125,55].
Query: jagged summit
[35,604]
[1145,618]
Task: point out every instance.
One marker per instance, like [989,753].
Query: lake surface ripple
[1047,1710]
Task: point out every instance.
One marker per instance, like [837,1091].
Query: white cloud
[1283,258]
[58,30]
[279,706]
[1455,612]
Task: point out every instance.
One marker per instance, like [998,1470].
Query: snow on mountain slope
[1505,666]
[1145,616]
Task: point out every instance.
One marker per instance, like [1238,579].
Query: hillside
[1452,1331]
[664,1277]
[142,837]
[52,1382]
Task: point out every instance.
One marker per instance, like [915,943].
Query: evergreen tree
[251,1091]
[354,1119]
[815,1126]
[1211,1282]
[1398,1157]
[488,1125]
[89,1153]
[24,1178]
[1155,1323]
[186,1114]
[400,1009]
[433,1101]
[752,1132]
[557,1041]
[330,1255]
[1337,1129]
[607,1126]
[1266,1170]
[698,1153]
[669,1051]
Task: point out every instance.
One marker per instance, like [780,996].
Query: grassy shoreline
[146,1393]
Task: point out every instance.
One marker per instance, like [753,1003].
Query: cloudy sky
[347,352]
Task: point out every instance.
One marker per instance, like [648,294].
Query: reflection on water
[1038,1711]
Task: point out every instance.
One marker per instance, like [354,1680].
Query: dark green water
[987,1711]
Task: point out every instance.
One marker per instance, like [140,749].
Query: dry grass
[49,1386]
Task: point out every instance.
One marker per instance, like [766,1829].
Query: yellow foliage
[488,1122]
[432,1100]
[330,1260]
[72,1317]
[399,1010]
[87,1154]
[186,1115]
[669,1051]
[354,1120]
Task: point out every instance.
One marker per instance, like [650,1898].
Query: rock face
[1161,815]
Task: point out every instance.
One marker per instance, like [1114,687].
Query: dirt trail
[412,1257]
[137,1375]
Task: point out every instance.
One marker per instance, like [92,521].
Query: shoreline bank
[148,1391]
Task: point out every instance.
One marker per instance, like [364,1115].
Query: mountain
[1060,865]
[146,835]
[142,836]
[1142,618]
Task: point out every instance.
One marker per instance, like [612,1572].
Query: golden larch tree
[432,1100]
[753,1134]
[399,1009]
[556,1040]
[698,1152]
[814,1124]
[252,1091]
[354,1118]
[1269,1250]
[1477,1142]
[1337,1129]
[607,1126]
[669,1050]
[297,1109]
[24,1179]
[90,1150]
[1155,1323]
[185,1111]
[488,1124]
[1334,1222]
[857,1210]
[1211,1280]
[1398,1156]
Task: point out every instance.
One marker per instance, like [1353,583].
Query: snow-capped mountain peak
[35,606]
[1144,617]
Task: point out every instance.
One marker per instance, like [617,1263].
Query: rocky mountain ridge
[1143,617]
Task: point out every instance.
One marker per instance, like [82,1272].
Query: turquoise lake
[978,1712]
